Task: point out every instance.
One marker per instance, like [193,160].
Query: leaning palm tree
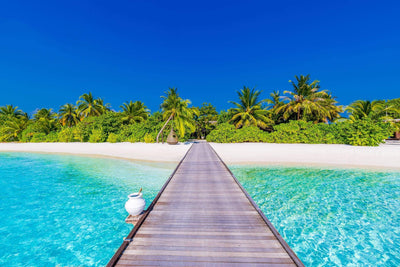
[374,110]
[89,106]
[10,111]
[249,110]
[176,109]
[134,112]
[68,115]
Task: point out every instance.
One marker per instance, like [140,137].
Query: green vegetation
[177,110]
[249,110]
[306,114]
[360,133]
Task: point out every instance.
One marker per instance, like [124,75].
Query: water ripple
[58,210]
[330,217]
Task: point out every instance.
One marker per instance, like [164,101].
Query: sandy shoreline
[132,151]
[385,156]
[382,157]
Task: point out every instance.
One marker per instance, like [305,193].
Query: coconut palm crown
[134,112]
[308,102]
[44,114]
[10,111]
[373,109]
[249,110]
[68,115]
[89,106]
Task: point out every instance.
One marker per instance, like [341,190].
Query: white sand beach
[134,151]
[384,156]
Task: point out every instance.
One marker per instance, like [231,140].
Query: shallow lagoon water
[330,217]
[59,210]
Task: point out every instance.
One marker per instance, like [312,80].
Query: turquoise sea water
[58,210]
[330,217]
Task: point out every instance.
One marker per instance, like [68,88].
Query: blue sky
[51,52]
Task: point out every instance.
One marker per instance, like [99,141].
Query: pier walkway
[203,217]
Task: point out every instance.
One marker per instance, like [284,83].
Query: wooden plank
[203,217]
[204,248]
[211,259]
[195,264]
[213,233]
[206,242]
[192,253]
[205,237]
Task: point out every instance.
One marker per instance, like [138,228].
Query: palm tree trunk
[162,129]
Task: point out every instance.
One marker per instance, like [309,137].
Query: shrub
[133,133]
[112,138]
[223,133]
[251,134]
[360,133]
[149,138]
[38,138]
[97,136]
[82,130]
[66,135]
[366,132]
[27,135]
[52,137]
[132,139]
[110,122]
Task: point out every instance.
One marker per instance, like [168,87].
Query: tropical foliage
[68,115]
[134,112]
[249,110]
[10,111]
[361,133]
[308,102]
[177,110]
[206,120]
[375,110]
[305,114]
[89,106]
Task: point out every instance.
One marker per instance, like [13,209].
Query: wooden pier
[203,217]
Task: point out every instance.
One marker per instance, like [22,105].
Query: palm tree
[249,110]
[273,103]
[11,112]
[88,106]
[134,112]
[307,102]
[275,100]
[45,120]
[68,115]
[176,109]
[13,128]
[44,114]
[333,110]
[375,110]
[103,108]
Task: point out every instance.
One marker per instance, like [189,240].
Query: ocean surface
[59,210]
[330,217]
